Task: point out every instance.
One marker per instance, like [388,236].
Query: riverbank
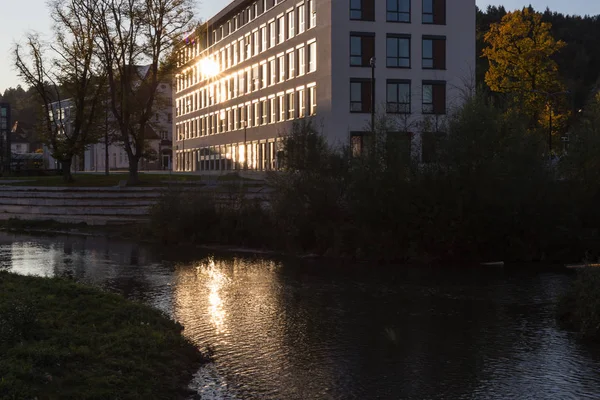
[65,340]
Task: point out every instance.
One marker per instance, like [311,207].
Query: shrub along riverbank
[490,193]
[62,340]
[579,308]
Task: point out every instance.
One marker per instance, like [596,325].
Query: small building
[5,128]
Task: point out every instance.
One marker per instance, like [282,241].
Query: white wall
[459,31]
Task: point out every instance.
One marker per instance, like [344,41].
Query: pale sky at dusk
[19,17]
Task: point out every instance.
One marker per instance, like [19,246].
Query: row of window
[284,27]
[402,141]
[294,63]
[257,9]
[398,49]
[398,96]
[434,11]
[285,106]
[234,156]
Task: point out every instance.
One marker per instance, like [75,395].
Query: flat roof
[233,6]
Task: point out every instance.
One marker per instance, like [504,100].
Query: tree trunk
[134,162]
[66,170]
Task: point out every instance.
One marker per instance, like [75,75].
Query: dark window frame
[356,14]
[438,52]
[437,15]
[398,58]
[366,89]
[430,146]
[438,98]
[397,109]
[367,49]
[398,12]
[366,12]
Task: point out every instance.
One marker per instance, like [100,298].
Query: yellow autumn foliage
[519,52]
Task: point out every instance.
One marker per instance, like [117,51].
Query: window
[263,38]
[291,65]
[312,100]
[398,51]
[312,57]
[398,10]
[281,62]
[363,10]
[273,68]
[291,24]
[272,34]
[248,44]
[273,110]
[398,97]
[360,95]
[301,104]
[434,97]
[356,143]
[362,49]
[301,19]
[434,12]
[264,111]
[257,116]
[281,107]
[301,62]
[255,78]
[430,146]
[281,29]
[291,106]
[264,75]
[312,17]
[434,52]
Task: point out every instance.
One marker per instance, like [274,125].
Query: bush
[230,218]
[579,307]
[63,340]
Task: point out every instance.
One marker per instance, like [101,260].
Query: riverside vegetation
[579,308]
[59,340]
[490,193]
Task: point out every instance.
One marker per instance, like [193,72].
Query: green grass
[61,340]
[100,180]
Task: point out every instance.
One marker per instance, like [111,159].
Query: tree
[67,79]
[136,39]
[520,50]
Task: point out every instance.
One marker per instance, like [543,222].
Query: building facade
[259,65]
[5,128]
[158,137]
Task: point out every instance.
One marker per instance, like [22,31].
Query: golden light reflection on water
[216,280]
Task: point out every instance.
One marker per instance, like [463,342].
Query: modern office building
[259,65]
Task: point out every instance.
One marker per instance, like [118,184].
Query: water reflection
[282,330]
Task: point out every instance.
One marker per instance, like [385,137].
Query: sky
[23,16]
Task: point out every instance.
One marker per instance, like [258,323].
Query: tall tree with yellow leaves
[519,51]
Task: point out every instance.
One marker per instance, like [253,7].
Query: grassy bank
[62,340]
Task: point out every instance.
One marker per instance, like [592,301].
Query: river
[291,329]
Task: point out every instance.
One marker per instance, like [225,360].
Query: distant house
[20,141]
[158,137]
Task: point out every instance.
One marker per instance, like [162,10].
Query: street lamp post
[372,62]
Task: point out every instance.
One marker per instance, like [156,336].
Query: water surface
[285,329]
